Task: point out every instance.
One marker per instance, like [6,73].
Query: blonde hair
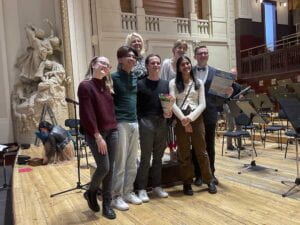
[90,71]
[178,43]
[130,38]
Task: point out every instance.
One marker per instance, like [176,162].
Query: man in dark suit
[206,73]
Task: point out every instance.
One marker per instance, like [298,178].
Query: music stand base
[79,186]
[254,167]
[296,184]
[5,187]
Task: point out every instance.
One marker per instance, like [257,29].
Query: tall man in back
[206,73]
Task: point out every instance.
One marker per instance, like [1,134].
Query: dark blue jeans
[105,163]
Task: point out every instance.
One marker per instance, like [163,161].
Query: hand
[102,70]
[229,91]
[188,128]
[168,114]
[185,121]
[102,147]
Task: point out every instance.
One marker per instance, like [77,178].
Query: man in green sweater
[125,88]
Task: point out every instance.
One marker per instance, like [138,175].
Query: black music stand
[7,150]
[291,109]
[276,91]
[295,87]
[255,117]
[78,184]
[242,121]
[284,82]
[5,185]
[261,102]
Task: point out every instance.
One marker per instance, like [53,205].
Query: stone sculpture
[42,80]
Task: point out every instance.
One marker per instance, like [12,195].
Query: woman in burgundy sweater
[97,116]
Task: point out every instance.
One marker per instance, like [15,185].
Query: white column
[192,15]
[218,10]
[140,14]
[108,15]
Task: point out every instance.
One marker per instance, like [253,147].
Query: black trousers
[210,133]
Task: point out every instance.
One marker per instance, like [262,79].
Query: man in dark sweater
[125,88]
[153,128]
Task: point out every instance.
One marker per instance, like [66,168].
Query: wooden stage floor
[252,197]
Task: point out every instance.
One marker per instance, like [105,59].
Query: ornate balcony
[259,62]
[166,25]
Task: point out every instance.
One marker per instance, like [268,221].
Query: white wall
[282,13]
[250,9]
[80,36]
[6,130]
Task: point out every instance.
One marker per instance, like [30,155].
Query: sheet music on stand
[291,108]
[221,81]
[261,101]
[274,91]
[233,107]
[250,111]
[284,82]
[3,147]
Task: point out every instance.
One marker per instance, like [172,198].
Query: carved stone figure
[42,80]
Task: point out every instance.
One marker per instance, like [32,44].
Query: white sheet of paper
[2,147]
[220,83]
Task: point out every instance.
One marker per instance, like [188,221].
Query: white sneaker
[119,204]
[132,198]
[142,194]
[159,192]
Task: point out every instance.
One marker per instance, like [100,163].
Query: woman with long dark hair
[189,105]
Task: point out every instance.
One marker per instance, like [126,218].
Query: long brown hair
[90,72]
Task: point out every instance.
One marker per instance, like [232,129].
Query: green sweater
[125,88]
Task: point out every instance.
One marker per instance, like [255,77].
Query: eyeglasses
[104,64]
[202,53]
[131,56]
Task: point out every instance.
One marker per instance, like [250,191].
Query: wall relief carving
[41,80]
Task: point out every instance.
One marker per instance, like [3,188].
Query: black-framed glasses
[131,56]
[202,53]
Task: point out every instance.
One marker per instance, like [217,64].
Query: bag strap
[186,96]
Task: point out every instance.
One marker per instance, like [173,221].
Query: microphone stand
[78,185]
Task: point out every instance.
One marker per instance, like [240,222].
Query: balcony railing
[259,61]
[166,25]
[203,26]
[152,23]
[183,26]
[129,21]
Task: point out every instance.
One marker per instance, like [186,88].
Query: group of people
[121,113]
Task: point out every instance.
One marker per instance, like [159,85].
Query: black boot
[198,181]
[107,210]
[216,181]
[212,189]
[91,197]
[187,189]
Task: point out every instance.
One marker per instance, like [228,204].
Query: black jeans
[153,141]
[210,133]
[105,163]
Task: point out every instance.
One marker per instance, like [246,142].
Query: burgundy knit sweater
[96,107]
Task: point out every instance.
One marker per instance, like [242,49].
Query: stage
[249,198]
